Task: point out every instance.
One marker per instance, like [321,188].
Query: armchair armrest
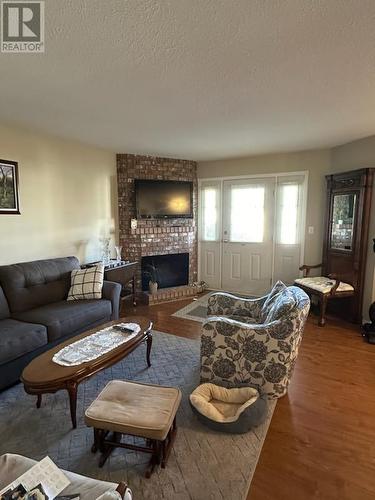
[111,291]
[306,269]
[224,304]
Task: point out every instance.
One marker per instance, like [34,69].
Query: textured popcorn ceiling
[199,79]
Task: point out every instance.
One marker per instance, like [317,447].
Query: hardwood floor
[320,444]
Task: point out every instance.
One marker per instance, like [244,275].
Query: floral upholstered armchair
[254,341]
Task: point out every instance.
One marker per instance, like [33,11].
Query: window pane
[209,214]
[288,215]
[247,214]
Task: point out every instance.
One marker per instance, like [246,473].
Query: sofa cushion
[18,338]
[277,288]
[282,306]
[4,308]
[32,284]
[65,318]
[323,285]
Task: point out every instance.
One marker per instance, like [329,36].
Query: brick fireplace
[156,237]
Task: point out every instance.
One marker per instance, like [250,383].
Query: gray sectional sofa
[35,315]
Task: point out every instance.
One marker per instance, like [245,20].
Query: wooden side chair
[324,288]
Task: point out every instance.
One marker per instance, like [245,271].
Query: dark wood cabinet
[347,233]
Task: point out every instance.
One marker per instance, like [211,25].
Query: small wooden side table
[123,274]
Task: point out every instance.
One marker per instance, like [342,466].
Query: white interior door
[248,227]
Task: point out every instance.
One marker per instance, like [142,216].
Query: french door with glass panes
[251,232]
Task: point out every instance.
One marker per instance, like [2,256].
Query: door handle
[225,241]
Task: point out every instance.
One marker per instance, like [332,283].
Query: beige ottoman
[129,408]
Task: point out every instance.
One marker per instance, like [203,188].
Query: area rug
[203,464]
[196,310]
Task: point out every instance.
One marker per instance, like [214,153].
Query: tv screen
[162,199]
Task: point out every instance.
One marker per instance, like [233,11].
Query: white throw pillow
[86,283]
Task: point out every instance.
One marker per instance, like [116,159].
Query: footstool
[135,409]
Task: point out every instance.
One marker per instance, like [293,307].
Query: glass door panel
[343,213]
[288,214]
[247,214]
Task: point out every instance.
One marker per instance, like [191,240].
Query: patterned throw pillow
[283,304]
[86,283]
[277,288]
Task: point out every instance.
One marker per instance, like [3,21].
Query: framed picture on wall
[9,201]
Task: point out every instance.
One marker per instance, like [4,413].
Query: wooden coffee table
[42,375]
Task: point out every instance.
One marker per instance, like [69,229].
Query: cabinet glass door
[343,214]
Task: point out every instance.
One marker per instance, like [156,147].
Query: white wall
[68,198]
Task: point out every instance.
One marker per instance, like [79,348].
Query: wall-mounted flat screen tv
[163,199]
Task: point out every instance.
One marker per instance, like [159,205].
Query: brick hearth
[173,293]
[157,236]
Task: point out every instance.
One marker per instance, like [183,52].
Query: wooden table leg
[133,292]
[39,400]
[323,306]
[106,449]
[149,345]
[72,390]
[155,458]
[97,440]
[168,443]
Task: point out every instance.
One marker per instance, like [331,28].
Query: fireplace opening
[171,270]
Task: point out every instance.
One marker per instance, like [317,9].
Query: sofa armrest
[225,304]
[111,291]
